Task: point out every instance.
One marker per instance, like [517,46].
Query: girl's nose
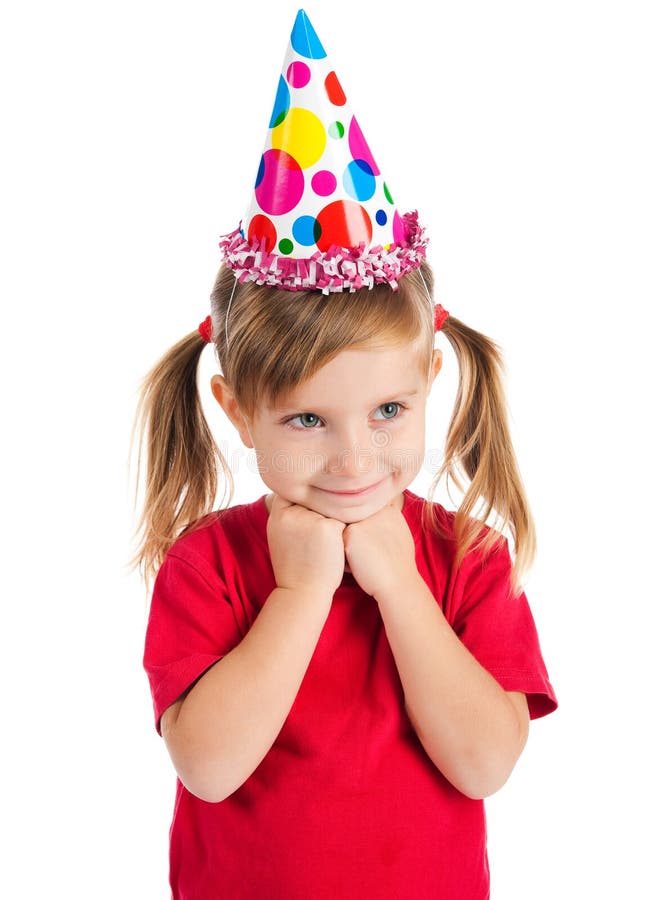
[355,455]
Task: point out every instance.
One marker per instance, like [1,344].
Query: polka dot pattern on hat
[319,189]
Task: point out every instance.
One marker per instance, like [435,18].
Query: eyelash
[288,421]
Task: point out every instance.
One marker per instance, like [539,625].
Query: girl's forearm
[232,715]
[466,722]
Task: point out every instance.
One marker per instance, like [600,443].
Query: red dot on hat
[334,90]
[344,223]
[261,228]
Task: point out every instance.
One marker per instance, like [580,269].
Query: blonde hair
[278,339]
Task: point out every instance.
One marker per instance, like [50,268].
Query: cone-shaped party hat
[321,215]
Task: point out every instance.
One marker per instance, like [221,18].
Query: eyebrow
[285,409]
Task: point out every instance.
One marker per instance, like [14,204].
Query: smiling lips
[360,491]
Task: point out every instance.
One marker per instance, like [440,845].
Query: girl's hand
[380,551]
[306,549]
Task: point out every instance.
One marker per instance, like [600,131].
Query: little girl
[341,670]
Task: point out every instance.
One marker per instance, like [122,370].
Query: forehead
[358,378]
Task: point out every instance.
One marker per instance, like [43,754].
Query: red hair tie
[441,315]
[206,329]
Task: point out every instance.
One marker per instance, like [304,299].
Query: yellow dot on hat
[302,136]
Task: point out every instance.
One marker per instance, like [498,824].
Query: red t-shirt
[346,804]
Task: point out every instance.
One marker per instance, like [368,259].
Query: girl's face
[359,422]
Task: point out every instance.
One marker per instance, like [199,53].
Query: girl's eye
[304,417]
[310,420]
[388,406]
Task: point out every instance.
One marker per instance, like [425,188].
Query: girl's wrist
[398,590]
[308,593]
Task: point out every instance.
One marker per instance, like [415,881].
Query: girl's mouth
[359,492]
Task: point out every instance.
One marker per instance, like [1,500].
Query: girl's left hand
[380,551]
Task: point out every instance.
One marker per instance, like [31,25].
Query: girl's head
[331,393]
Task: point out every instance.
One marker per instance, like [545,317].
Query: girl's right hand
[306,548]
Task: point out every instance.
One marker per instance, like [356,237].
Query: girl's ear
[224,396]
[437,360]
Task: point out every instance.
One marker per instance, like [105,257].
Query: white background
[526,134]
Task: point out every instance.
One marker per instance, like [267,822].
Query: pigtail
[182,457]
[479,445]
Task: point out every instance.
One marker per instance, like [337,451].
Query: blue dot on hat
[304,39]
[260,173]
[359,180]
[381,217]
[282,103]
[306,230]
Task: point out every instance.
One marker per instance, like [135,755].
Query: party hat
[321,215]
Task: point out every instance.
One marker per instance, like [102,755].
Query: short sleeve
[191,626]
[499,630]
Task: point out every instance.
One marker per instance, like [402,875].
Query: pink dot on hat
[280,184]
[323,183]
[358,146]
[298,74]
[399,229]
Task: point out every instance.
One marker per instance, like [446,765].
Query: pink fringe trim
[338,269]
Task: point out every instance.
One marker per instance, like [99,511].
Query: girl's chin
[345,510]
[357,509]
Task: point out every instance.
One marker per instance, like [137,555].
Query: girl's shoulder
[221,531]
[436,528]
[429,520]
